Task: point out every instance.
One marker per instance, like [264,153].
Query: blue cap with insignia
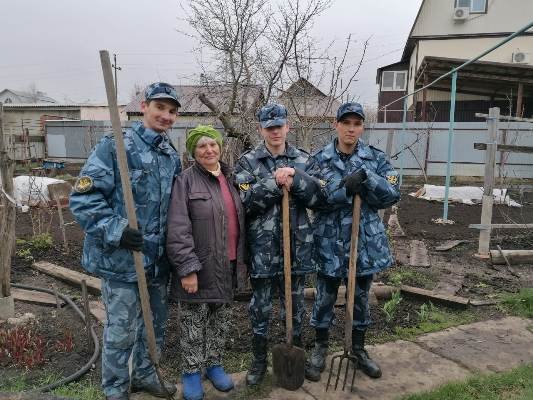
[350,108]
[161,90]
[272,115]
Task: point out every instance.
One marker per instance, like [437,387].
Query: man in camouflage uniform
[261,174]
[349,167]
[97,202]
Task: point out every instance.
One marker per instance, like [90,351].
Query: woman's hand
[190,283]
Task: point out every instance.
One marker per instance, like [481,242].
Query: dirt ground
[455,270]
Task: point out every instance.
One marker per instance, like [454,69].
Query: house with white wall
[447,33]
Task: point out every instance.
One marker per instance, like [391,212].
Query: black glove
[354,182]
[132,239]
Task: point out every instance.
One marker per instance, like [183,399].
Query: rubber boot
[364,362]
[259,362]
[192,386]
[316,363]
[218,377]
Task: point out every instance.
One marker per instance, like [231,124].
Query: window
[393,81]
[476,6]
[8,100]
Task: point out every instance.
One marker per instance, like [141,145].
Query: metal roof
[191,104]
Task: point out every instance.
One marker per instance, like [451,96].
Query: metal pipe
[402,139]
[451,128]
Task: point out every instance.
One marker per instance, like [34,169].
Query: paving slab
[495,345]
[411,367]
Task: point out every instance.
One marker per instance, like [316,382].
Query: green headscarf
[201,130]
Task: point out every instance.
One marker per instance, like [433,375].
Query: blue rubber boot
[218,377]
[192,386]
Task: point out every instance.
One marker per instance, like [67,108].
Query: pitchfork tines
[350,294]
[350,359]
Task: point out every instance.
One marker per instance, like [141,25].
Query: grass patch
[85,389]
[516,384]
[407,276]
[432,319]
[236,361]
[519,304]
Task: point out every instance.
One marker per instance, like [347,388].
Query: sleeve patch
[392,179]
[244,187]
[84,184]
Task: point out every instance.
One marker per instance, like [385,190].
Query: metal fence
[425,147]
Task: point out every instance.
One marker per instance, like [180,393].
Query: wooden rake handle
[287,264]
[352,272]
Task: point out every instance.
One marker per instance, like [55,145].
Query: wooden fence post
[490,160]
[7,222]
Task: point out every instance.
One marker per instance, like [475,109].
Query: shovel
[350,292]
[288,361]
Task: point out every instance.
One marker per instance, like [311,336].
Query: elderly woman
[205,245]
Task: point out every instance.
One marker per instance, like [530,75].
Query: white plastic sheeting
[32,190]
[463,194]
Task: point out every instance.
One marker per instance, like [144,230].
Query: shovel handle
[352,272]
[287,264]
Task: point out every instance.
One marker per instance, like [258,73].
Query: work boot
[364,362]
[316,363]
[154,389]
[259,363]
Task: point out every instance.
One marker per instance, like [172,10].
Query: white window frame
[394,82]
[484,11]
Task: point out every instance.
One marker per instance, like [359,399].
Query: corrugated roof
[41,97]
[52,105]
[190,104]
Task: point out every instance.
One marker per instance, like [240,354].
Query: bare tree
[251,41]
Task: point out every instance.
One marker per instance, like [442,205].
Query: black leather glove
[132,239]
[354,182]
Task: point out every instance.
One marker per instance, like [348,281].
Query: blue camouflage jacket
[98,203]
[333,222]
[261,198]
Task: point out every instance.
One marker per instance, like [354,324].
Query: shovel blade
[288,364]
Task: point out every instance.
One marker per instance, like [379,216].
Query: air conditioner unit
[461,13]
[520,57]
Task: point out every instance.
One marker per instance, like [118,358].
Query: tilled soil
[477,280]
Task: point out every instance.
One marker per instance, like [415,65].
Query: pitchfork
[350,291]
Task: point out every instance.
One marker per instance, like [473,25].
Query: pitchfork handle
[352,272]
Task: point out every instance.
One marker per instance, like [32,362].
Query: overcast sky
[55,43]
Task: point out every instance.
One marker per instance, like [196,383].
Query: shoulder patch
[244,187]
[392,177]
[84,184]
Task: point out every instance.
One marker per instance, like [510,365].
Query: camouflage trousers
[125,333]
[203,331]
[260,306]
[326,295]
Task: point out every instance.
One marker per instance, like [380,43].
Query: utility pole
[115,67]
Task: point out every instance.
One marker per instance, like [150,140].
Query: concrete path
[410,367]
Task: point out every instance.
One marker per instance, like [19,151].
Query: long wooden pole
[352,273]
[287,264]
[488,200]
[130,211]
